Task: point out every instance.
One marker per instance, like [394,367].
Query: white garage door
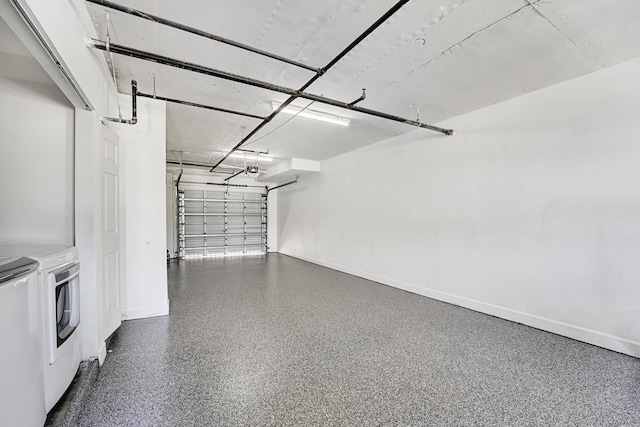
[222,220]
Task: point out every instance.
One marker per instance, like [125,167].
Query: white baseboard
[600,339]
[145,313]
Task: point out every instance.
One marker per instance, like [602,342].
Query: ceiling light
[250,156]
[311,114]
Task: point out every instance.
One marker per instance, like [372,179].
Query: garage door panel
[214,222]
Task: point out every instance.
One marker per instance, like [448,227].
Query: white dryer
[59,283]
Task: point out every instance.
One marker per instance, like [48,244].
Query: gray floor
[278,341]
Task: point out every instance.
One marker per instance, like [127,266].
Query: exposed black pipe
[362,98]
[281,185]
[324,69]
[179,178]
[148,56]
[134,102]
[189,66]
[293,94]
[254,131]
[370,112]
[234,175]
[197,165]
[396,7]
[159,20]
[194,104]
[134,108]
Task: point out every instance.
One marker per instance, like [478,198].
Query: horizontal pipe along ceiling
[293,94]
[195,104]
[186,28]
[164,60]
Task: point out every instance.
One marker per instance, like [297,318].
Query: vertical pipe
[134,102]
[134,108]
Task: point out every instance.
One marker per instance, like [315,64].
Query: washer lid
[14,268]
[49,256]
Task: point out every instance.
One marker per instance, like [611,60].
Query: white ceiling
[446,58]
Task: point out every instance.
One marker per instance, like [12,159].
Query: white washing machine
[22,401]
[59,281]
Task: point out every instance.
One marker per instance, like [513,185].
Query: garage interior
[338,212]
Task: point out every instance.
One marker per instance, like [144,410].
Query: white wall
[530,212]
[36,157]
[66,37]
[143,147]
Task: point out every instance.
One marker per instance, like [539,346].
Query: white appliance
[59,283]
[22,400]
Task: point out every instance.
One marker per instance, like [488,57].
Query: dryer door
[64,308]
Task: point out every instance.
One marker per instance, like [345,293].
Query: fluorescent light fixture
[311,114]
[250,156]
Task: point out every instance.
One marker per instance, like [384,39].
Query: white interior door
[112,220]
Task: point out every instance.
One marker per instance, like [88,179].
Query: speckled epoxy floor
[277,341]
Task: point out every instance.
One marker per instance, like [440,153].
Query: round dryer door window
[63,311]
[67,314]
